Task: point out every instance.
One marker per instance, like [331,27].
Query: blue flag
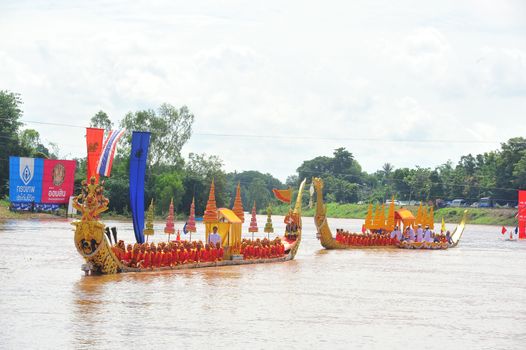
[139,153]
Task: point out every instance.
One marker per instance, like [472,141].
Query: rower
[166,257]
[220,252]
[127,256]
[147,257]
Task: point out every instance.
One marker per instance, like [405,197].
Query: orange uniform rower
[147,257]
[166,257]
[220,251]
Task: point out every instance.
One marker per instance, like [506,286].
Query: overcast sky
[316,74]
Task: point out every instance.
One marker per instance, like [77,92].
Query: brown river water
[469,297]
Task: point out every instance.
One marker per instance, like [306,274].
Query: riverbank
[5,213]
[479,216]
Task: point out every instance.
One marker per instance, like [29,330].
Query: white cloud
[502,72]
[341,70]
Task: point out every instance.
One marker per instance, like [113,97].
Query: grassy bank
[5,213]
[481,216]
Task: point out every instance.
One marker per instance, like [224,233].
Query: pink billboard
[58,180]
[521,215]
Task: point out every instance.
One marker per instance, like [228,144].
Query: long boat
[328,241]
[93,245]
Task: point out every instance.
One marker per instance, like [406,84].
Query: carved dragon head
[318,184]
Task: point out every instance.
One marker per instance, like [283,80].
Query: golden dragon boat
[328,241]
[93,245]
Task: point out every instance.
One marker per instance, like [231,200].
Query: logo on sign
[58,174]
[93,147]
[26,175]
[27,166]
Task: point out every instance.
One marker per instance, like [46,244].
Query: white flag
[311,191]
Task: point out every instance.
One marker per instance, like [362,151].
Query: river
[472,296]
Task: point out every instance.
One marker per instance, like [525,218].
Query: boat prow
[459,230]
[324,234]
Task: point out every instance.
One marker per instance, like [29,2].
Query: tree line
[496,174]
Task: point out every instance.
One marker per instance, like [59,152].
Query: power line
[306,137]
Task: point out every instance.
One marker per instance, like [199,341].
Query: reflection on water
[469,297]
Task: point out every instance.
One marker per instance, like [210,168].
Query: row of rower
[162,254]
[371,239]
[383,238]
[149,256]
[262,249]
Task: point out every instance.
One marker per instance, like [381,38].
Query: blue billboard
[25,179]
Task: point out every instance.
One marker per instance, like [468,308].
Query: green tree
[170,129]
[116,186]
[117,190]
[511,153]
[519,172]
[258,192]
[342,191]
[344,174]
[31,146]
[292,181]
[402,187]
[247,179]
[199,171]
[168,185]
[420,183]
[10,114]
[101,120]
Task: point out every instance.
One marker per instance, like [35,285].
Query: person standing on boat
[419,233]
[396,234]
[428,237]
[214,237]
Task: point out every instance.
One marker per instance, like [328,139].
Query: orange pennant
[283,195]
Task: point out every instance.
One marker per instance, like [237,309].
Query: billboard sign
[37,180]
[25,179]
[57,181]
[521,215]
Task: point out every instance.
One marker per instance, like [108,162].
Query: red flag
[363,228]
[503,231]
[94,144]
[283,195]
